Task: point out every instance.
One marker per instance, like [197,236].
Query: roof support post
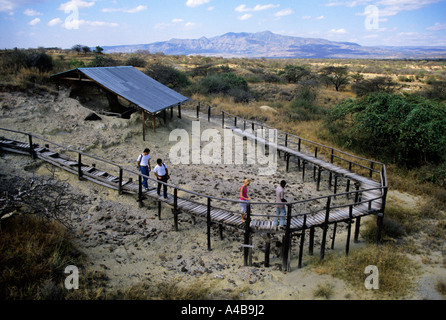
[154,122]
[143,126]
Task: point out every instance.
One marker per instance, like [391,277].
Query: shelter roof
[130,84]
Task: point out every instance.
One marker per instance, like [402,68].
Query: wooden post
[208,218]
[120,181]
[175,208]
[235,121]
[287,157]
[334,235]
[349,228]
[303,170]
[311,242]
[325,228]
[286,247]
[209,113]
[31,147]
[140,191]
[198,111]
[357,225]
[267,249]
[318,178]
[223,119]
[247,234]
[286,139]
[220,231]
[79,166]
[159,210]
[302,240]
[179,110]
[143,126]
[154,122]
[381,215]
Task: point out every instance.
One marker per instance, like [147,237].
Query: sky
[65,23]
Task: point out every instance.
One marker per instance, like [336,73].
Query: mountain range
[270,45]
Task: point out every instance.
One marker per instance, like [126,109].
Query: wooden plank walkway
[368,199]
[217,215]
[373,196]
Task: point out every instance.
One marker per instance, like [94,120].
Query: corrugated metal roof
[134,86]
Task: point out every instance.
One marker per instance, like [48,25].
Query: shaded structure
[139,91]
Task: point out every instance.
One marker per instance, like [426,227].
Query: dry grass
[34,257]
[396,271]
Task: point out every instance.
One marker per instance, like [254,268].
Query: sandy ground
[131,245]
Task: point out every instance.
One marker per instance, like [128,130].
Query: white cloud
[320,18]
[31,12]
[196,3]
[386,7]
[76,24]
[245,17]
[55,22]
[437,27]
[177,20]
[306,17]
[283,13]
[243,8]
[133,10]
[33,22]
[78,4]
[338,31]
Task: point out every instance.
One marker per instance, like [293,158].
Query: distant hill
[270,45]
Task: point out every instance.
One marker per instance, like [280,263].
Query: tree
[338,76]
[377,84]
[404,129]
[98,50]
[167,75]
[44,196]
[77,48]
[86,49]
[293,74]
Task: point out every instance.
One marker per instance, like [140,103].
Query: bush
[102,61]
[377,84]
[167,75]
[408,130]
[136,62]
[304,107]
[226,83]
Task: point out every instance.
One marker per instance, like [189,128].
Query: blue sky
[64,23]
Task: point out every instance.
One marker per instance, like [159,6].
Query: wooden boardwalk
[368,198]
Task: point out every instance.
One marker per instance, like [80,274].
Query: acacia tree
[337,76]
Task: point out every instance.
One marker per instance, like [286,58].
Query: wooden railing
[256,210]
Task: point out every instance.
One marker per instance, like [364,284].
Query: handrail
[209,196]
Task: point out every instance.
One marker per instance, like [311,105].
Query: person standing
[244,197]
[162,175]
[143,163]
[280,208]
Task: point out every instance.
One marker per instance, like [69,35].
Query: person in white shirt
[280,208]
[143,163]
[162,174]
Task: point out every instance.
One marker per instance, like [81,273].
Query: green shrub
[167,75]
[404,129]
[226,83]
